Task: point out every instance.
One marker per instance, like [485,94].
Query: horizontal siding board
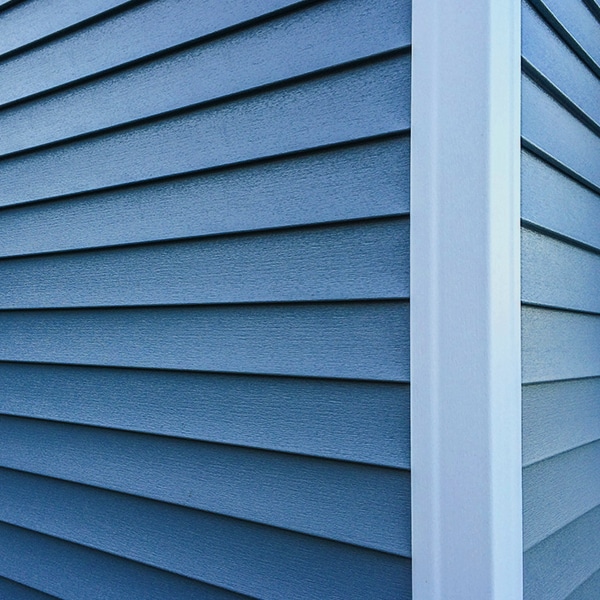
[558,203]
[557,566]
[356,182]
[72,572]
[543,48]
[559,345]
[350,420]
[567,140]
[253,559]
[352,261]
[361,340]
[358,504]
[555,273]
[347,30]
[558,490]
[145,29]
[579,22]
[374,99]
[559,416]
[588,590]
[11,590]
[46,18]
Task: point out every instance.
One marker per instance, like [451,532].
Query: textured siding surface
[204,378]
[561,299]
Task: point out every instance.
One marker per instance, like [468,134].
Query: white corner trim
[465,300]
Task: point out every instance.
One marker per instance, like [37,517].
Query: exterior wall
[204,301]
[561,298]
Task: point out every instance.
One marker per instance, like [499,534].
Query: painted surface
[204,378]
[561,291]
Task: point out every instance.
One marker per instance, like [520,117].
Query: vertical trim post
[465,300]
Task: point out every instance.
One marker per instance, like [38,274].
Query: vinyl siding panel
[251,558]
[48,563]
[312,187]
[16,591]
[45,19]
[560,287]
[204,225]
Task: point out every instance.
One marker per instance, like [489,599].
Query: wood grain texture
[353,261]
[557,274]
[46,18]
[358,504]
[558,417]
[562,562]
[568,140]
[544,49]
[362,340]
[245,59]
[204,358]
[344,183]
[15,591]
[560,261]
[365,422]
[359,102]
[559,490]
[147,28]
[557,202]
[559,345]
[245,557]
[49,563]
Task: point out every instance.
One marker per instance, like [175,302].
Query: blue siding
[204,362]
[560,291]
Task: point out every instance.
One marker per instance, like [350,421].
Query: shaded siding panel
[562,562]
[350,420]
[49,564]
[559,416]
[589,589]
[254,559]
[358,504]
[204,378]
[16,591]
[560,288]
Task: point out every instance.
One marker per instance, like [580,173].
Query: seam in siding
[559,96]
[168,436]
[583,583]
[400,217]
[593,7]
[105,14]
[557,164]
[265,524]
[212,102]
[552,307]
[125,558]
[558,532]
[389,135]
[532,226]
[565,35]
[562,452]
[298,5]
